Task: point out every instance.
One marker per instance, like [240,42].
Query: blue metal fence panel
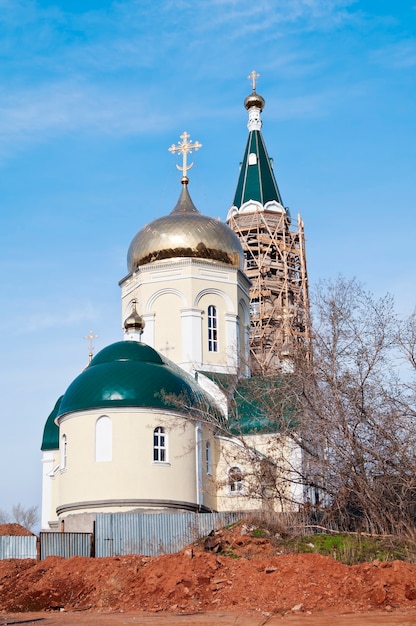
[17,547]
[152,534]
[65,544]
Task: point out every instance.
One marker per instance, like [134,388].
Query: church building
[137,431]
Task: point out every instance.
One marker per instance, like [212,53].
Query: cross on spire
[183,149]
[253,77]
[90,338]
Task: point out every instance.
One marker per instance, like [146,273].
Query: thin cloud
[39,113]
[140,34]
[38,321]
[266,15]
[400,55]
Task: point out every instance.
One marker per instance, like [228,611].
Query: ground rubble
[231,571]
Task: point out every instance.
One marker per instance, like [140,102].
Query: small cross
[253,76]
[167,348]
[183,148]
[90,338]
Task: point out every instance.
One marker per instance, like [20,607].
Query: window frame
[212,321]
[160,446]
[63,461]
[235,486]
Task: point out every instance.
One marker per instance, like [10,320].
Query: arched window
[64,445]
[235,479]
[160,447]
[212,329]
[103,439]
[208,458]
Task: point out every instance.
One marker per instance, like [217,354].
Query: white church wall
[132,474]
[178,327]
[49,486]
[214,347]
[253,456]
[167,334]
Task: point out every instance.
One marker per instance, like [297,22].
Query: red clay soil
[14,530]
[252,578]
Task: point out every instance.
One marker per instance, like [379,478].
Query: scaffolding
[275,262]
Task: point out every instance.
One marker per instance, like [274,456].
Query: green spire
[257,180]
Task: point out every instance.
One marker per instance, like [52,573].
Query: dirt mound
[235,573]
[14,530]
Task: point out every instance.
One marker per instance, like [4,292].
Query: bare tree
[350,406]
[356,416]
[347,407]
[27,517]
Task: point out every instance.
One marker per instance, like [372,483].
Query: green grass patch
[350,549]
[230,553]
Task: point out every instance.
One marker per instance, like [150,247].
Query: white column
[47,467]
[198,462]
[232,338]
[149,329]
[133,335]
[246,348]
[191,336]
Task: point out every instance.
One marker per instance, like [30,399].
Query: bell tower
[274,250]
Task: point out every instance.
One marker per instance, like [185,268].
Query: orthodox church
[139,432]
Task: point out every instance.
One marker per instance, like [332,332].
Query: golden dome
[185,232]
[254,100]
[134,321]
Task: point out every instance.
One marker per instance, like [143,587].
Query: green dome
[50,439]
[132,374]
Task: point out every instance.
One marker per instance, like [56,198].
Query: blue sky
[92,94]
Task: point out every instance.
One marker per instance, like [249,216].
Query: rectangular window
[159,445]
[235,480]
[64,452]
[212,329]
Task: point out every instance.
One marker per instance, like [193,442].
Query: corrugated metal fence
[18,547]
[65,544]
[152,534]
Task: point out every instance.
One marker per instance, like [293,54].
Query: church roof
[132,374]
[256,405]
[50,439]
[185,232]
[256,180]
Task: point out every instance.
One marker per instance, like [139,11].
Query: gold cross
[253,76]
[183,148]
[90,337]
